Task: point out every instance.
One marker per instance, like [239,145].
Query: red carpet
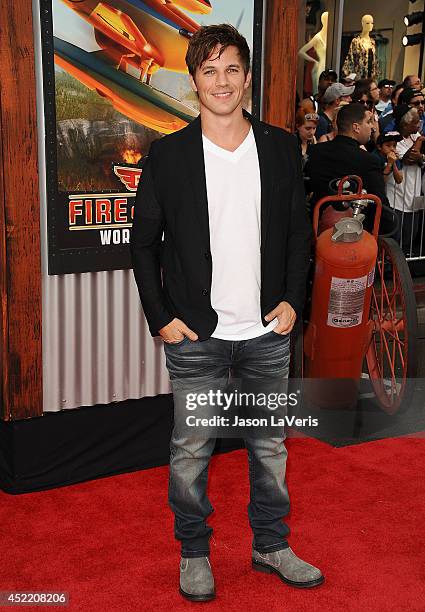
[357,512]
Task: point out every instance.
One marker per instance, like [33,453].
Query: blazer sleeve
[145,247]
[299,238]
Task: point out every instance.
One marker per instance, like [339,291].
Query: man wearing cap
[331,99]
[326,78]
[385,87]
[414,98]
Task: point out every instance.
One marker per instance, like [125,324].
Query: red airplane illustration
[145,34]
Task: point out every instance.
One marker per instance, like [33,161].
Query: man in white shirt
[227,193]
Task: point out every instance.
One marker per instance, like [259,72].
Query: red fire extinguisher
[339,330]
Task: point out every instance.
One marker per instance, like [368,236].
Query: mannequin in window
[361,56]
[318,43]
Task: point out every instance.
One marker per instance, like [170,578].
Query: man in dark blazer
[223,289]
[343,155]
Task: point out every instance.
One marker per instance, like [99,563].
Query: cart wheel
[392,353]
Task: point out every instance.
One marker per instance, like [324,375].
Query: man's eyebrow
[209,66]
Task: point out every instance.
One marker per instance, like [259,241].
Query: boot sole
[204,597]
[268,569]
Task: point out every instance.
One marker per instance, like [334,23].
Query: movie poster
[115,79]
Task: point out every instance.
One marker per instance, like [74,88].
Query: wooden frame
[20,264]
[280,62]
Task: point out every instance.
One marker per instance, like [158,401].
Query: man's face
[325,81]
[418,102]
[413,126]
[332,106]
[363,129]
[221,82]
[385,92]
[415,82]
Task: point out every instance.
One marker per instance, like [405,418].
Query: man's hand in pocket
[175,332]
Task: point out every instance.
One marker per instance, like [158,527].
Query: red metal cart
[390,349]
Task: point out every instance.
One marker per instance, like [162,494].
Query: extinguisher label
[346,301]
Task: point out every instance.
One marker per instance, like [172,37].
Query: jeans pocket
[177,343]
[284,336]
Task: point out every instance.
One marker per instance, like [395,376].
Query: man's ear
[192,83]
[248,79]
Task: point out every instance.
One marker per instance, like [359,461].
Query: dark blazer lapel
[193,152]
[266,163]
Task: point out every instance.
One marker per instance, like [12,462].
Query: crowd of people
[376,131]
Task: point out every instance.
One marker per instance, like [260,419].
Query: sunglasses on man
[418,103]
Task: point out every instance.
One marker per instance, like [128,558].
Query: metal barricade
[408,203]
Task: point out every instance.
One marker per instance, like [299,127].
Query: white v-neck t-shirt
[234,209]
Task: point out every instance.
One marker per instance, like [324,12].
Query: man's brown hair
[207,38]
[352,113]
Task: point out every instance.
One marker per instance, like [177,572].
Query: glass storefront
[362,37]
[316,29]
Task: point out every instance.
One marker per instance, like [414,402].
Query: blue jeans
[198,367]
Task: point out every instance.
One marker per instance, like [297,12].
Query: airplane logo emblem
[129,176]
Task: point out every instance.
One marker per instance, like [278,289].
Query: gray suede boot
[288,567]
[196,579]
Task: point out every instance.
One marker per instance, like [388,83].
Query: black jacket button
[206,255]
[205,292]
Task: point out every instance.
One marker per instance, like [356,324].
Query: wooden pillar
[20,266]
[280,62]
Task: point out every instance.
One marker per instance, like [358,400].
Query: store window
[371,44]
[364,38]
[316,29]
